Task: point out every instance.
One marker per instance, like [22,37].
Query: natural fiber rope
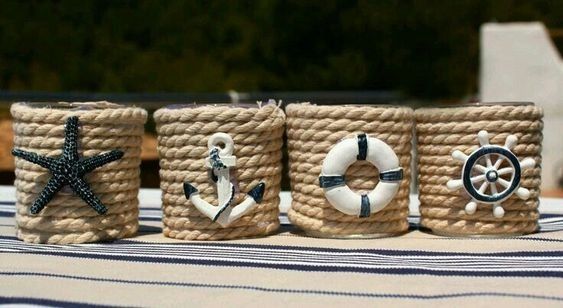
[440,131]
[311,132]
[182,146]
[68,219]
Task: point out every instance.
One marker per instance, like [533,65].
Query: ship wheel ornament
[491,174]
[219,162]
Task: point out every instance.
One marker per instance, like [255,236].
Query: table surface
[285,269]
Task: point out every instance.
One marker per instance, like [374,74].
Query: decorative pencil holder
[479,168]
[77,171]
[349,169]
[220,170]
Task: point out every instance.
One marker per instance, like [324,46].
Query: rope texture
[182,146]
[67,219]
[440,131]
[311,132]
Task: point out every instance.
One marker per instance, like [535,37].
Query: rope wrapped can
[479,168]
[256,132]
[67,219]
[314,131]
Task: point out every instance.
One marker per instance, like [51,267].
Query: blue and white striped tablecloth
[285,269]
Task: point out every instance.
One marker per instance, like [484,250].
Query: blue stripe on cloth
[7,300]
[144,218]
[541,264]
[305,256]
[540,239]
[387,252]
[287,290]
[529,237]
[344,260]
[551,216]
[144,229]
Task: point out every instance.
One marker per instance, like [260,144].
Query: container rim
[194,105]
[94,105]
[484,104]
[393,105]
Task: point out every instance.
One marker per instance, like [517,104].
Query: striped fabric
[284,269]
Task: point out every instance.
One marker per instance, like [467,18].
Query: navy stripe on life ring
[362,147]
[328,181]
[365,210]
[391,175]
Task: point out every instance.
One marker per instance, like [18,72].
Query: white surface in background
[520,63]
[150,197]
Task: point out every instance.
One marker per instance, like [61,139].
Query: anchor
[220,161]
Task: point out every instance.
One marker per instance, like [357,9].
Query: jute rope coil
[311,132]
[182,146]
[440,131]
[68,219]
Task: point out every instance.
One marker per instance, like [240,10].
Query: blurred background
[153,53]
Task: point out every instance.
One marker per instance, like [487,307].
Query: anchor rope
[311,132]
[67,219]
[216,162]
[223,207]
[440,131]
[182,145]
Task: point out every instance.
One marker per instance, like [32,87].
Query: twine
[182,146]
[440,131]
[67,219]
[312,131]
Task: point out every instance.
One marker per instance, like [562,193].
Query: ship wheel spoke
[506,170]
[488,160]
[478,178]
[494,188]
[483,187]
[480,168]
[499,161]
[503,182]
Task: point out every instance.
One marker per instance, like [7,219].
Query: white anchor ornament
[480,175]
[220,161]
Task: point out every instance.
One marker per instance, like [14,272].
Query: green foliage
[424,48]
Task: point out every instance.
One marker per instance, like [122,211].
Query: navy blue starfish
[69,169]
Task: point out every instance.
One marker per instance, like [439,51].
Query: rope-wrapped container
[183,134]
[67,219]
[441,131]
[312,131]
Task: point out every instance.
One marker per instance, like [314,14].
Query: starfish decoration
[69,169]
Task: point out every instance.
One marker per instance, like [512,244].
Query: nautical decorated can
[349,167]
[479,168]
[77,171]
[220,169]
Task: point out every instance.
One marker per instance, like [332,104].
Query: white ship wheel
[485,179]
[344,154]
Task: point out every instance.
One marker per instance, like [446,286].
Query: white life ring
[344,154]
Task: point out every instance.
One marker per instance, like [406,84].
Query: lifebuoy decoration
[344,154]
